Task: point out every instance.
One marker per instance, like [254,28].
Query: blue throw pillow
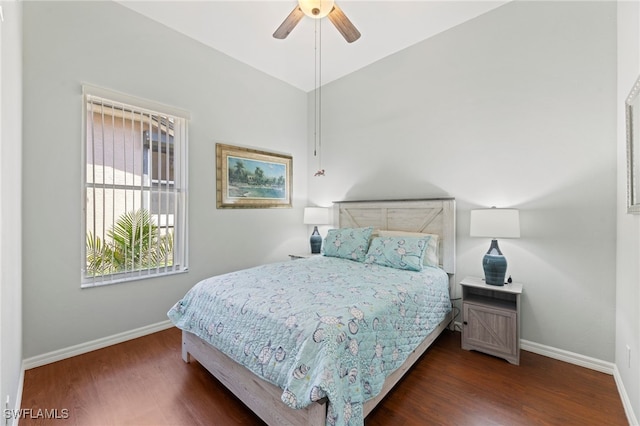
[398,252]
[347,243]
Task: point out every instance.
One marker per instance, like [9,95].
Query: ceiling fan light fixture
[316,8]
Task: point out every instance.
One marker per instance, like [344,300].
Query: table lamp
[316,216]
[495,223]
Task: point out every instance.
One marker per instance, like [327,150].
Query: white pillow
[431,254]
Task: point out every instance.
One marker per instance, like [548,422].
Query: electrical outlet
[628,356]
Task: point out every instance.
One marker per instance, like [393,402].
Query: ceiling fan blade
[289,23]
[343,24]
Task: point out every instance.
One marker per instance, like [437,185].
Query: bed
[322,340]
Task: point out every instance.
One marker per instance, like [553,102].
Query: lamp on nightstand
[316,216]
[495,223]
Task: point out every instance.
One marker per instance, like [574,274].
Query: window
[135,184]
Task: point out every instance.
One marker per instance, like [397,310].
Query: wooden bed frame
[434,216]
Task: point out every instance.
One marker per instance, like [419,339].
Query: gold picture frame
[252,179]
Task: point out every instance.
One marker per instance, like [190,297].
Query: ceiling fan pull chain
[315,92]
[320,96]
[317,97]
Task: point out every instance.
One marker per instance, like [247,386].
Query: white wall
[10,202]
[628,233]
[105,44]
[516,108]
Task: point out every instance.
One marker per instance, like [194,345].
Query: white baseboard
[18,404]
[626,402]
[566,356]
[83,348]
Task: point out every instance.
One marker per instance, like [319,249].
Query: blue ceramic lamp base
[316,241]
[495,265]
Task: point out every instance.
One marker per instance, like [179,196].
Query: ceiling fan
[318,9]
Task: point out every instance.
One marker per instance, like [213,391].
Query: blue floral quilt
[318,327]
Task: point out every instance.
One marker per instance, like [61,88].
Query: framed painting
[632,107]
[248,178]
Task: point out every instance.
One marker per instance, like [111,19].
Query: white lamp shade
[495,223]
[316,8]
[316,216]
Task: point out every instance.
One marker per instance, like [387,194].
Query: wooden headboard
[433,216]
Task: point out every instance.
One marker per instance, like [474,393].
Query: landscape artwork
[249,178]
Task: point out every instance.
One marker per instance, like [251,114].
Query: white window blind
[135,186]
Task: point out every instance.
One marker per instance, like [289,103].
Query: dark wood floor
[145,382]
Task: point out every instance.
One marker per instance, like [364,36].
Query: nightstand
[491,318]
[302,255]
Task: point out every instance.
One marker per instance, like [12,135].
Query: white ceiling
[243,30]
